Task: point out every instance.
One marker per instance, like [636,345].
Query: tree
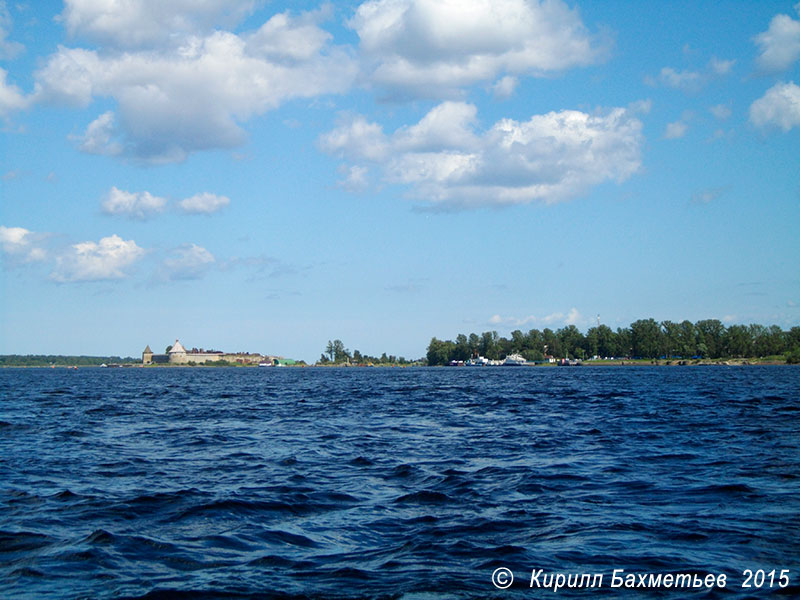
[168,349]
[687,339]
[474,343]
[646,338]
[678,339]
[670,338]
[737,341]
[336,351]
[793,339]
[777,340]
[535,343]
[439,352]
[710,334]
[462,351]
[551,342]
[606,341]
[759,340]
[624,346]
[572,341]
[517,341]
[488,344]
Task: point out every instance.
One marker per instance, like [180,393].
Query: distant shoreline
[736,362]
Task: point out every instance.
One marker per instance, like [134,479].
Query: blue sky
[266,176]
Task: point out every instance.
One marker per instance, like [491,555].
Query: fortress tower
[177,354]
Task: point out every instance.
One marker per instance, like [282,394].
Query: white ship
[514,360]
[477,361]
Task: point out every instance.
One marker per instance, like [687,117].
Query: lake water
[398,483]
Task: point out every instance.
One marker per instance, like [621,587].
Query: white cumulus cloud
[134,205]
[99,137]
[675,130]
[721,111]
[778,108]
[95,261]
[186,262]
[573,317]
[708,195]
[196,92]
[11,97]
[22,245]
[434,48]
[449,163]
[691,81]
[684,80]
[8,48]
[779,45]
[204,203]
[137,23]
[504,87]
[355,178]
[721,67]
[356,138]
[448,125]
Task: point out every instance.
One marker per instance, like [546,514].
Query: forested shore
[647,339]
[47,360]
[643,339]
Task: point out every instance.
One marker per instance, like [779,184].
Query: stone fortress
[178,355]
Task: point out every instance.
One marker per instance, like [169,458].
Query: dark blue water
[401,483]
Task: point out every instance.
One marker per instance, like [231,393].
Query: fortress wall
[245,358]
[179,358]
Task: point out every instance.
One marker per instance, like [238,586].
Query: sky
[267,176]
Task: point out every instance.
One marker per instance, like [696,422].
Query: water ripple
[390,483]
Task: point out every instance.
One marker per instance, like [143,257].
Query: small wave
[73,433]
[424,497]
[300,504]
[22,541]
[57,392]
[284,537]
[508,549]
[271,560]
[730,489]
[689,536]
[677,456]
[334,497]
[100,536]
[405,470]
[532,488]
[66,495]
[108,410]
[27,572]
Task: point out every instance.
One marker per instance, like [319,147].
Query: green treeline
[46,360]
[645,338]
[336,354]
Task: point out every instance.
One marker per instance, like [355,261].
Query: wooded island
[644,339]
